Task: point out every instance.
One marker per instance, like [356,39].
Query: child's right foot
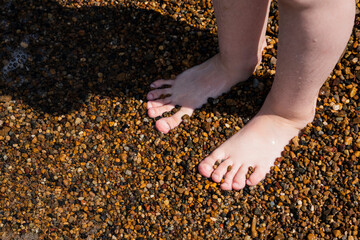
[192,88]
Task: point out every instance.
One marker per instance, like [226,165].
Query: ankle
[237,66]
[301,113]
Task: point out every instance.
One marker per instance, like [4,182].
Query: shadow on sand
[55,57]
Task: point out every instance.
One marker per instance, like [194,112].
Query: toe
[229,178]
[221,170]
[158,103]
[258,175]
[206,167]
[240,178]
[157,93]
[158,111]
[164,125]
[161,82]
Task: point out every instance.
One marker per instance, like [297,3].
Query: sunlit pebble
[100,170]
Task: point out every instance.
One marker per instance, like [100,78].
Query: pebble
[337,233]
[273,61]
[78,121]
[279,237]
[311,236]
[99,119]
[180,190]
[80,158]
[254,233]
[24,44]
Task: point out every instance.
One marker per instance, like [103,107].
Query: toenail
[149,104]
[150,96]
[225,185]
[151,112]
[152,85]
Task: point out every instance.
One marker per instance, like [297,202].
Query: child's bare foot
[258,144]
[192,88]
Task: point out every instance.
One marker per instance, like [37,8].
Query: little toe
[206,167]
[161,82]
[258,175]
[164,125]
[158,111]
[229,178]
[158,103]
[221,170]
[240,178]
[157,93]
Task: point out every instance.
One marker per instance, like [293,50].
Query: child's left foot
[258,144]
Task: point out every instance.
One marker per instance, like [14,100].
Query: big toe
[164,125]
[206,169]
[158,111]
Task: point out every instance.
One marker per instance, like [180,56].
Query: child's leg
[241,29]
[312,37]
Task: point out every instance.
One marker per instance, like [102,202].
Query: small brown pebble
[348,140]
[97,218]
[66,182]
[217,163]
[337,233]
[353,92]
[262,229]
[295,140]
[279,237]
[71,219]
[4,131]
[78,121]
[311,236]
[123,156]
[24,44]
[180,190]
[254,233]
[273,61]
[121,77]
